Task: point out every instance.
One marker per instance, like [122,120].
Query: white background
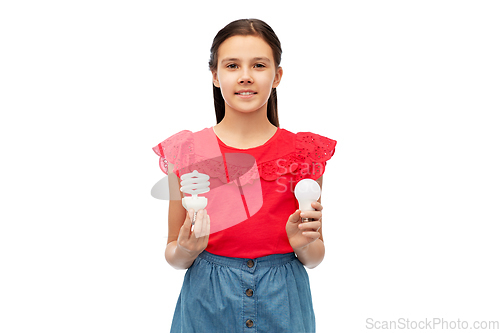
[410,89]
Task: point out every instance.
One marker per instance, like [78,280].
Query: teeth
[246,93]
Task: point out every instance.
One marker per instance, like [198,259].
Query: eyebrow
[254,59]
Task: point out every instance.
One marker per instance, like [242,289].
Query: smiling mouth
[246,93]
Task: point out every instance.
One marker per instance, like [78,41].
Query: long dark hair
[246,27]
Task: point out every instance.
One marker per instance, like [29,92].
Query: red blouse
[251,190]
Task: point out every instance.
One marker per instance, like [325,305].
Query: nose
[245,77]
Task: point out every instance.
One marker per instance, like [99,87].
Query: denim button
[250,263]
[249,292]
[249,323]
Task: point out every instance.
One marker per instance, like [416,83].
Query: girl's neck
[245,130]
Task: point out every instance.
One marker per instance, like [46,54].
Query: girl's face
[246,73]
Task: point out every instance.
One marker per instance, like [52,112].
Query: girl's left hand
[301,234]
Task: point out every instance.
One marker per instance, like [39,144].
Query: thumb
[186,226]
[295,217]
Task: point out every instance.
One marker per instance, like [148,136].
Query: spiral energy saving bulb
[307,191]
[195,183]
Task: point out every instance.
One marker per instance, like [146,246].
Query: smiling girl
[246,261]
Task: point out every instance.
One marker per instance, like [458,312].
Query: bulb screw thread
[307,219]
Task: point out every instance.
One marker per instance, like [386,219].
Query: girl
[247,252]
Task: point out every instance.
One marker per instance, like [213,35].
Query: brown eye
[232,66]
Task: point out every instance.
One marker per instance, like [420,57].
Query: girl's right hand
[194,242]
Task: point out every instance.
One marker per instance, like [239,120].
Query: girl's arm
[183,247]
[313,253]
[306,238]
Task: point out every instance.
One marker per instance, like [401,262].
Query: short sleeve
[177,150]
[313,151]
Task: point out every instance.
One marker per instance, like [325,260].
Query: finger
[310,226]
[316,205]
[186,226]
[312,214]
[311,234]
[205,230]
[198,224]
[295,217]
[208,226]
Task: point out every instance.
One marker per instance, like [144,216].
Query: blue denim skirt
[270,294]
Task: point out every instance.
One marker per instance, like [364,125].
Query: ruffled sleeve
[177,150]
[312,151]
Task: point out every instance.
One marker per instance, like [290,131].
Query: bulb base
[307,219]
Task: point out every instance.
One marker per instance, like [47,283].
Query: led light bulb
[307,191]
[195,183]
